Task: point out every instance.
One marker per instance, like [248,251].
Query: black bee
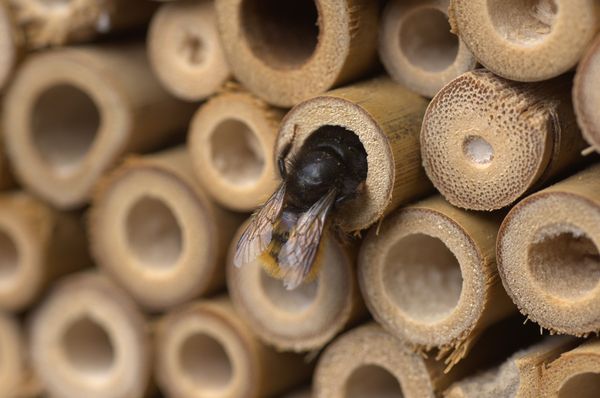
[285,233]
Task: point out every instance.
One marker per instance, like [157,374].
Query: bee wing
[258,232]
[298,253]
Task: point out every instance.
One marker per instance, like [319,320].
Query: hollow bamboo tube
[526,40]
[231,141]
[308,317]
[517,377]
[88,339]
[49,23]
[386,117]
[548,255]
[486,141]
[575,374]
[428,275]
[417,47]
[287,52]
[71,113]
[205,349]
[37,245]
[156,233]
[185,49]
[10,43]
[586,99]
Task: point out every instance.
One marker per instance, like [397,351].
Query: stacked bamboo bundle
[463,236]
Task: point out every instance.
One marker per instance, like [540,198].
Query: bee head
[314,174]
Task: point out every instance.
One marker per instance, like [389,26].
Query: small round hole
[153,233]
[423,277]
[296,300]
[205,362]
[9,257]
[565,264]
[372,381]
[192,49]
[583,385]
[478,150]
[236,152]
[523,21]
[89,349]
[65,122]
[426,41]
[283,34]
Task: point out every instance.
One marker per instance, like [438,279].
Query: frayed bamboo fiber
[526,40]
[185,49]
[417,47]
[88,339]
[231,142]
[575,374]
[517,377]
[486,141]
[71,113]
[156,232]
[38,244]
[548,255]
[386,117]
[286,52]
[205,349]
[307,317]
[586,97]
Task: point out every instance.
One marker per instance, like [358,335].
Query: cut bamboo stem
[156,232]
[526,40]
[185,49]
[386,117]
[37,245]
[287,52]
[50,23]
[548,255]
[586,99]
[88,339]
[231,142]
[417,47]
[10,43]
[575,374]
[308,317]
[205,349]
[71,113]
[428,275]
[486,141]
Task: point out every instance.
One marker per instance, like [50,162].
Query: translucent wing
[258,232]
[298,253]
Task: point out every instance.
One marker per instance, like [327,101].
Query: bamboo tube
[88,339]
[37,245]
[287,52]
[428,275]
[206,350]
[7,180]
[155,232]
[417,47]
[49,23]
[486,141]
[526,40]
[10,43]
[517,377]
[548,255]
[231,142]
[386,118]
[303,319]
[574,374]
[585,95]
[299,393]
[71,113]
[185,49]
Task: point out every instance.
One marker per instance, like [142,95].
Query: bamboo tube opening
[156,241]
[581,385]
[426,40]
[478,150]
[282,34]
[294,301]
[9,258]
[65,122]
[205,362]
[523,22]
[372,381]
[422,277]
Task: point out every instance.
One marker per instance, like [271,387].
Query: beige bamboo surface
[231,140]
[156,233]
[585,95]
[205,349]
[10,43]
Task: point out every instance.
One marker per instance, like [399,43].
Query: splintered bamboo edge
[586,99]
[88,338]
[231,142]
[417,47]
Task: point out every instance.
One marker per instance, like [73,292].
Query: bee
[285,234]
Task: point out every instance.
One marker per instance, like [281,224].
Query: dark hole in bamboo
[522,21]
[372,381]
[205,362]
[296,300]
[582,385]
[9,257]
